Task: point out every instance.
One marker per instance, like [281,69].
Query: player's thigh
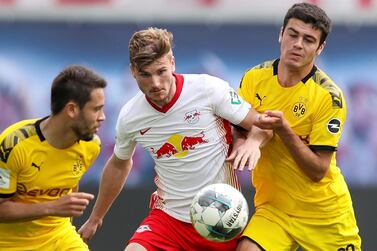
[135,247]
[161,232]
[70,241]
[156,232]
[266,234]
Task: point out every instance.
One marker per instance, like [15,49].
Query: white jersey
[188,138]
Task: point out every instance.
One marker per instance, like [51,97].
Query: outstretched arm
[247,141]
[246,148]
[113,178]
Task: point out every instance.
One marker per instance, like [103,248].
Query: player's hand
[89,228]
[273,120]
[246,154]
[70,205]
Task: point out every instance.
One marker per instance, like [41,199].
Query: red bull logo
[178,146]
[192,117]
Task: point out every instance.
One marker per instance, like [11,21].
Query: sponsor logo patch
[234,99]
[178,146]
[50,192]
[143,228]
[4,178]
[333,126]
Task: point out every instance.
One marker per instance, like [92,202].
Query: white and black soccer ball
[219,212]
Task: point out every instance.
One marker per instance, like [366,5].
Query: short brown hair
[312,14]
[148,45]
[75,83]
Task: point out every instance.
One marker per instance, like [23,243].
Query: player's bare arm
[70,205]
[247,143]
[246,148]
[114,176]
[314,164]
[249,120]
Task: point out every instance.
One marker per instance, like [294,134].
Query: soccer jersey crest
[299,108]
[192,117]
[78,167]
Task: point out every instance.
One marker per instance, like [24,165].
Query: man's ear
[71,109]
[132,70]
[320,48]
[173,63]
[280,34]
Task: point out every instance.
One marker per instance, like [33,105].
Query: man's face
[156,80]
[299,44]
[91,116]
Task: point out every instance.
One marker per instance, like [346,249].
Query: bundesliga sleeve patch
[234,98]
[333,126]
[4,178]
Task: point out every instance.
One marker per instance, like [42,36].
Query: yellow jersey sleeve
[11,169]
[328,123]
[11,159]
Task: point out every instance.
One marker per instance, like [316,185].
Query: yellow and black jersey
[32,171]
[316,110]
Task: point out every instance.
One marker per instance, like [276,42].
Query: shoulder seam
[327,84]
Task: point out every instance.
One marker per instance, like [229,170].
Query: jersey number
[350,247]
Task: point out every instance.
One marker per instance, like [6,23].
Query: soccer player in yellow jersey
[301,197]
[42,161]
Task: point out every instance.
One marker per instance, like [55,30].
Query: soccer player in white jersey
[182,120]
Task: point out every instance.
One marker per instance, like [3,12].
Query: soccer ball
[219,212]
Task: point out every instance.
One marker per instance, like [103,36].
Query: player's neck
[289,76]
[57,133]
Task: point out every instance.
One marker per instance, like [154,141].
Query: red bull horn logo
[178,146]
[192,117]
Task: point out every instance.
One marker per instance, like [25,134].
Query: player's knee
[246,244]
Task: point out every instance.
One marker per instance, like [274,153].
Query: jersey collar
[304,80]
[38,129]
[179,85]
